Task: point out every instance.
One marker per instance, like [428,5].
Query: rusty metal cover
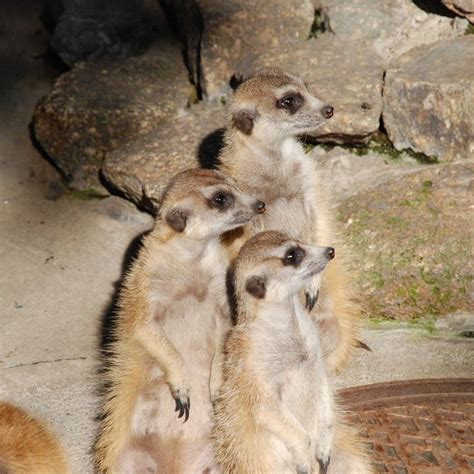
[416,426]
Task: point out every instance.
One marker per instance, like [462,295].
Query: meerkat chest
[288,190]
[286,353]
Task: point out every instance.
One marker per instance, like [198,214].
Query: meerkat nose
[260,207]
[327,111]
[330,253]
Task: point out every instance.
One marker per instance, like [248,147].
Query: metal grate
[416,426]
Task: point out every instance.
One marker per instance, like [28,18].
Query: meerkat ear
[177,218]
[243,120]
[255,285]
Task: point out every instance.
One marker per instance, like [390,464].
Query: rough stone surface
[102,104]
[429,100]
[412,243]
[142,169]
[347,174]
[346,74]
[461,7]
[393,26]
[232,30]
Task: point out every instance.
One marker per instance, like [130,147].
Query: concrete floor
[61,259]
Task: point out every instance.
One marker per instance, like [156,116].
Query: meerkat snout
[327,111]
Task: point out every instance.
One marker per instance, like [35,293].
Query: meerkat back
[27,446]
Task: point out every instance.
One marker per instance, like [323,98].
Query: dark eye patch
[294,256]
[290,102]
[221,200]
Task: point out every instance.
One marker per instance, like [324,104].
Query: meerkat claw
[182,406]
[311,301]
[323,465]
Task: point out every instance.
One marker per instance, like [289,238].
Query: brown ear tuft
[236,80]
[243,120]
[176,218]
[255,285]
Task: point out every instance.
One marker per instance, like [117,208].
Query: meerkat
[275,411]
[269,111]
[27,445]
[172,319]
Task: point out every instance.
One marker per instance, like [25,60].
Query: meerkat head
[272,266]
[274,104]
[205,203]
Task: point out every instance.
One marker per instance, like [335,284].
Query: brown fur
[274,372]
[269,163]
[27,446]
[173,316]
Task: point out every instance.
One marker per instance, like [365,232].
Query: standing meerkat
[26,445]
[262,153]
[173,316]
[275,411]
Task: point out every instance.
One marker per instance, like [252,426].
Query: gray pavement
[61,258]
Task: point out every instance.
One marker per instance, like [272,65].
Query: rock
[233,30]
[429,100]
[412,243]
[350,174]
[346,74]
[393,26]
[463,8]
[100,105]
[84,29]
[141,169]
[459,322]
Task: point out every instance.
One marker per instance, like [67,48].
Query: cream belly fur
[173,317]
[276,412]
[265,158]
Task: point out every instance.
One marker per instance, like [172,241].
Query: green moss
[469,29]
[380,144]
[425,324]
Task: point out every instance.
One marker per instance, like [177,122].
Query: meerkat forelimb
[268,112]
[172,318]
[274,412]
[27,445]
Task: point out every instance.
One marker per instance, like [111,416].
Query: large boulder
[345,74]
[393,26]
[101,104]
[141,169]
[412,243]
[349,174]
[461,7]
[234,29]
[429,100]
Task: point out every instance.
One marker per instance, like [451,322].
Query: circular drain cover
[415,426]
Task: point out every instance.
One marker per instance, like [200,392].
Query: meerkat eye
[294,256]
[222,200]
[290,102]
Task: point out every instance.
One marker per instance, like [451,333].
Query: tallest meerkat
[262,153]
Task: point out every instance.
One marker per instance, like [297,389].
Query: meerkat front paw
[312,292]
[183,403]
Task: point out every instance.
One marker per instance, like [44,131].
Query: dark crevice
[145,204]
[434,6]
[185,19]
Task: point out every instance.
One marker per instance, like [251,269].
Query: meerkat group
[191,388]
